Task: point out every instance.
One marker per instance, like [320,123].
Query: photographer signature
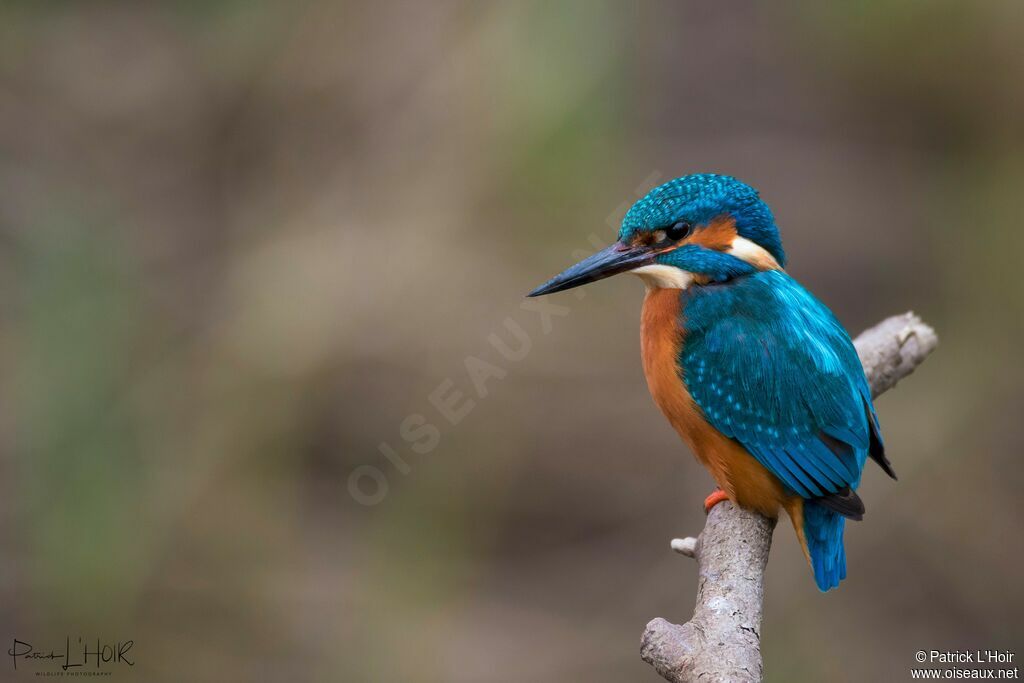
[105,653]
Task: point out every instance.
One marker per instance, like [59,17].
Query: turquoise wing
[770,366]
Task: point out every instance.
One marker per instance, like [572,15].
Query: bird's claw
[716,497]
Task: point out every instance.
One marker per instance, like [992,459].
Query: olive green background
[241,243]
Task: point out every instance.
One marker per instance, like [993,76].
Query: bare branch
[685,546]
[722,642]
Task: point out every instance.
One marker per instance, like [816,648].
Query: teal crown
[700,198]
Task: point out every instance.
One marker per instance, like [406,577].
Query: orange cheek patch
[716,235]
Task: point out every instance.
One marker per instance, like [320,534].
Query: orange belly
[743,478]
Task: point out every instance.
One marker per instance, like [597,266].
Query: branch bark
[722,642]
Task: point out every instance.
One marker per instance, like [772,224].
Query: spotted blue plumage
[770,366]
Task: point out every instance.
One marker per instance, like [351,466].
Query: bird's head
[698,229]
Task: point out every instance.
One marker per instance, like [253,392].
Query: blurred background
[254,257]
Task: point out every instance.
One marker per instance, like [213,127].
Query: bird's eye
[680,230]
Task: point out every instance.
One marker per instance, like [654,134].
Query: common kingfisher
[757,376]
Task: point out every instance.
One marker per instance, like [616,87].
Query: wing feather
[770,366]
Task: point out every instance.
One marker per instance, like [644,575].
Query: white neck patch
[754,254]
[666,277]
[658,275]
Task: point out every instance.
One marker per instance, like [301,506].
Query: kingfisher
[756,375]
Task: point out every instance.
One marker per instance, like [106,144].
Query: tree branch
[722,642]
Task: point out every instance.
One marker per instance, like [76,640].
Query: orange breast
[662,336]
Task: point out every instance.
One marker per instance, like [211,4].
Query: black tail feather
[845,502]
[877,449]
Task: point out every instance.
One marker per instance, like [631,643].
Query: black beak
[615,259]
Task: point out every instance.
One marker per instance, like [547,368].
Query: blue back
[770,366]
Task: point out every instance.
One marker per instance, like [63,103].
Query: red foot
[716,497]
